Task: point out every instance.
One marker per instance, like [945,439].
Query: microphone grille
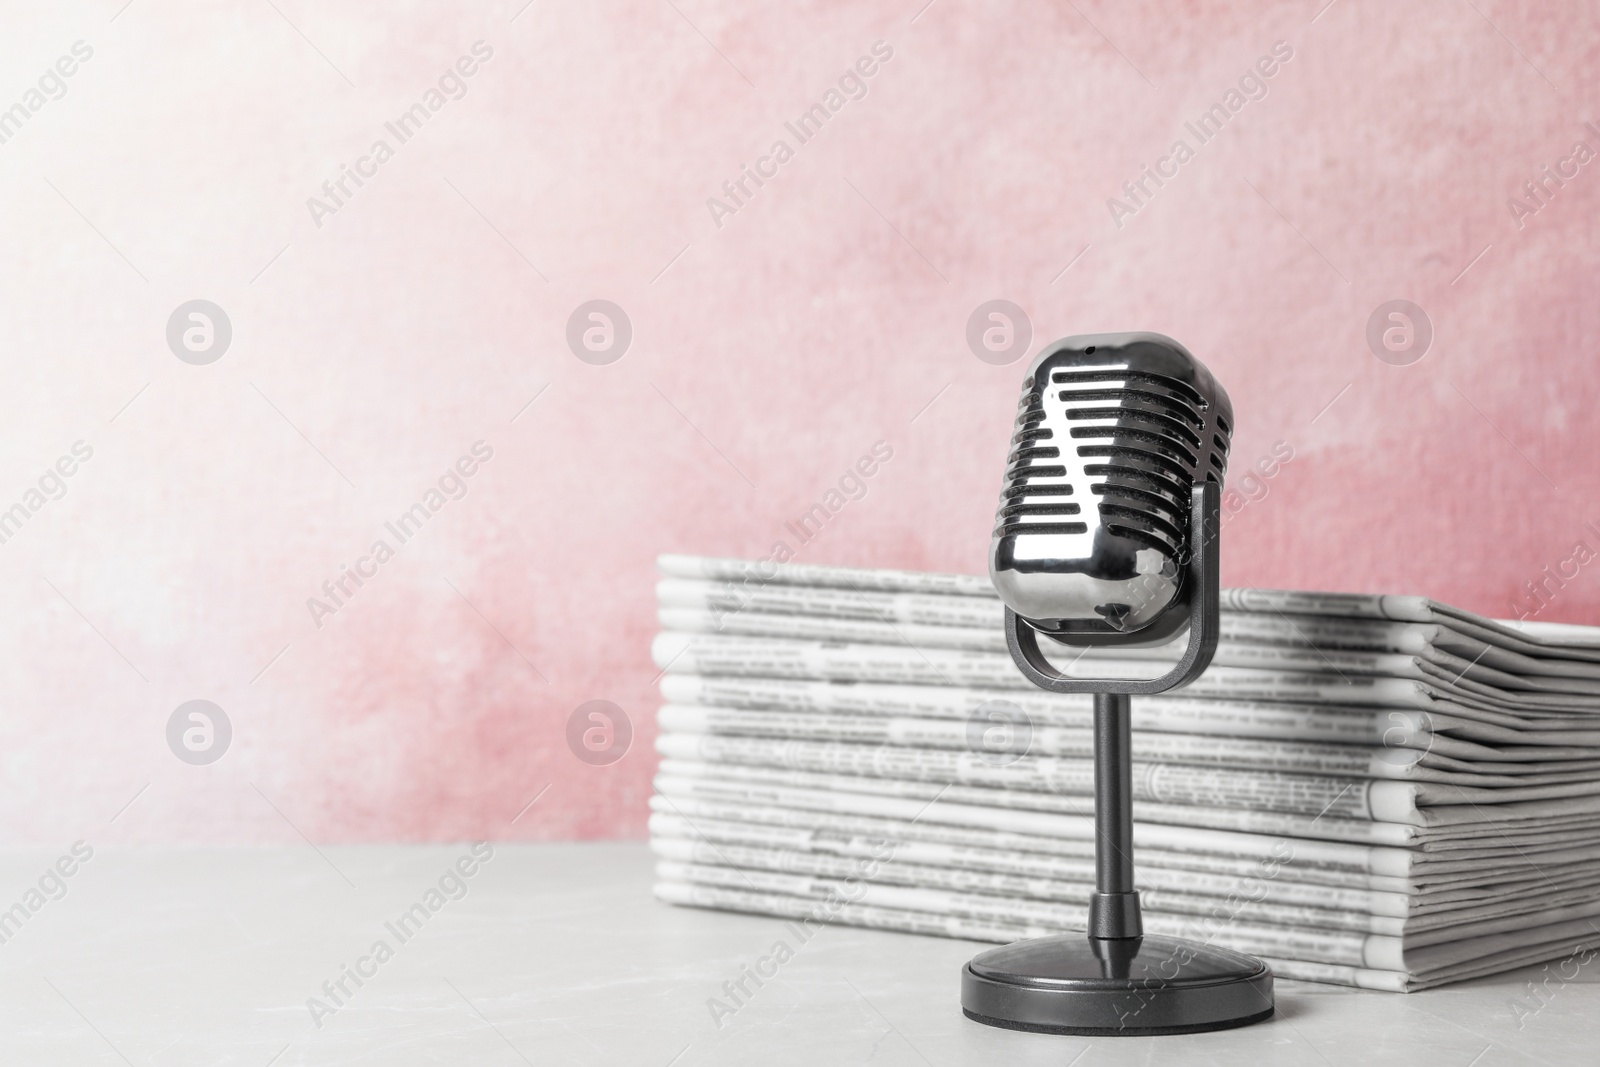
[1114,435]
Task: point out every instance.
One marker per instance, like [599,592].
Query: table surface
[558,954]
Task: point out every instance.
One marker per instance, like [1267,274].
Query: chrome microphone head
[1092,535]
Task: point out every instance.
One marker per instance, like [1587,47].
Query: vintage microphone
[1107,536]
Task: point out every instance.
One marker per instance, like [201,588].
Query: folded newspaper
[1379,791]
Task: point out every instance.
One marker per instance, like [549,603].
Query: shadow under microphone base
[1114,980]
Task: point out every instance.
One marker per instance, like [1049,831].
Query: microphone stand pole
[1114,908]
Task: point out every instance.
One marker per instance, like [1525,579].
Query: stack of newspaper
[1379,791]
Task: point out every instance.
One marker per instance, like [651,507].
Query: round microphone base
[1134,987]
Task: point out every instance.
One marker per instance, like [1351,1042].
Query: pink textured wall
[772,345]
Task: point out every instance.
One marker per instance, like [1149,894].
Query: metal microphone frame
[1117,981]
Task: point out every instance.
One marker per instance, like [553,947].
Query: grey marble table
[557,954]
